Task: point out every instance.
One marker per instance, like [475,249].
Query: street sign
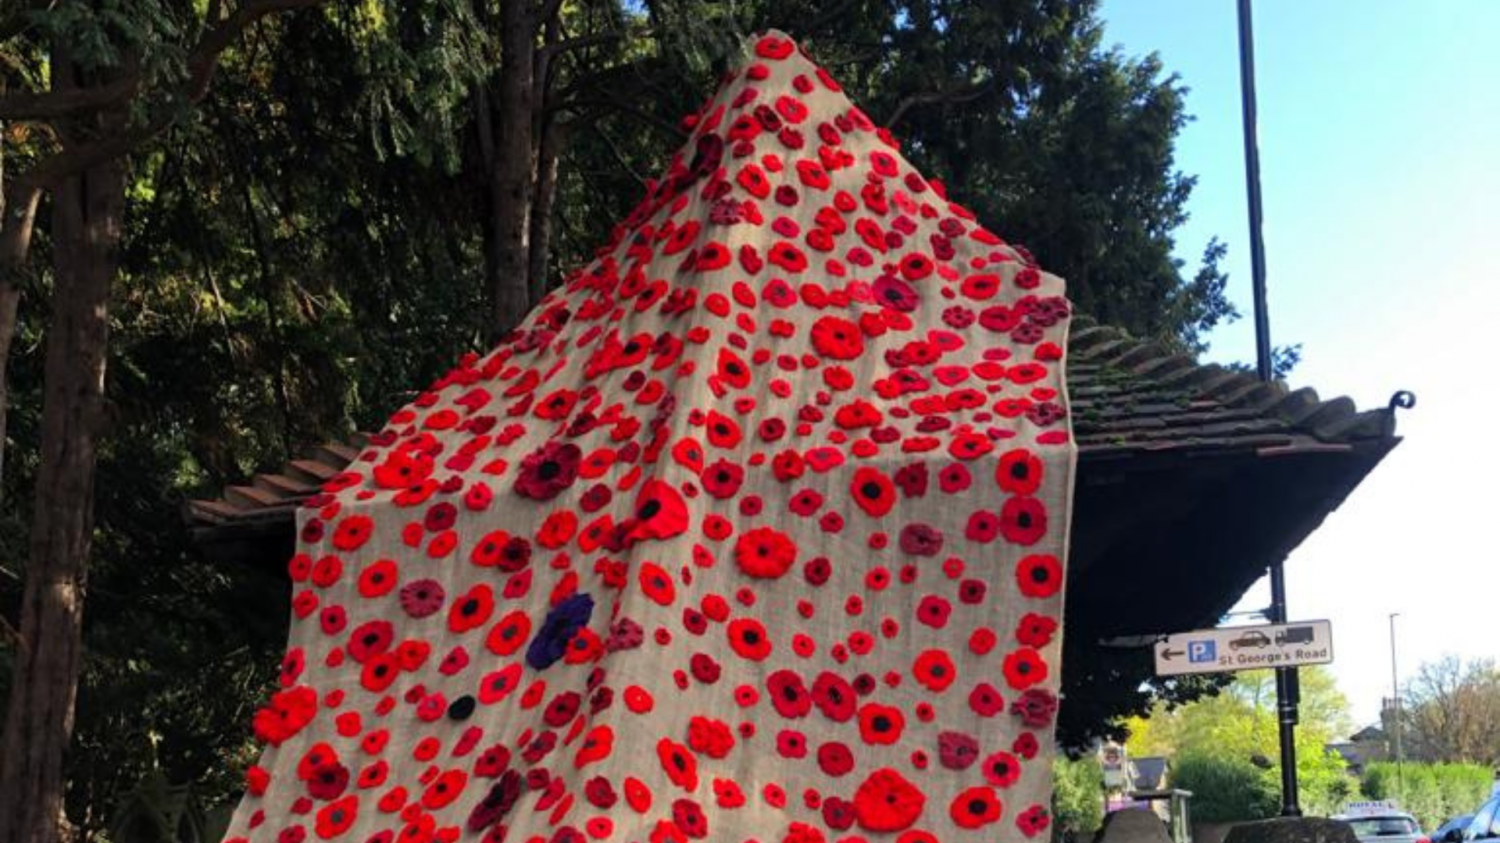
[1245,648]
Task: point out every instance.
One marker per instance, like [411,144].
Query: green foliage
[1077,793]
[1433,793]
[1225,788]
[1231,738]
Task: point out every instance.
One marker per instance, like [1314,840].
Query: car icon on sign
[1254,638]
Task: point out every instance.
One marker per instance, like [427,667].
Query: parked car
[1452,831]
[1384,825]
[1484,826]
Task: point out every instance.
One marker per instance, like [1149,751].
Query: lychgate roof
[1150,553]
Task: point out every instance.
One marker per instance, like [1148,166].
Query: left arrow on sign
[1169,654]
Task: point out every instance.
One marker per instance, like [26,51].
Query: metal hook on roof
[1402,399]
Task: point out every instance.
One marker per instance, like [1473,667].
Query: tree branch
[550,10]
[592,38]
[202,62]
[622,107]
[956,96]
[54,104]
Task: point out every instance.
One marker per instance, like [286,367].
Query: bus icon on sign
[1202,651]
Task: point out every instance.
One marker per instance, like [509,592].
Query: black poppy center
[976,806]
[1019,471]
[789,693]
[870,490]
[469,606]
[881,723]
[751,637]
[548,469]
[1024,519]
[1039,574]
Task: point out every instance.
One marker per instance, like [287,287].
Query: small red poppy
[472,609]
[679,763]
[835,759]
[880,724]
[764,553]
[1035,630]
[1039,575]
[788,695]
[935,670]
[497,685]
[1033,821]
[975,807]
[873,492]
[1019,472]
[886,801]
[353,532]
[722,479]
[507,636]
[834,696]
[1023,520]
[657,584]
[377,579]
[1001,769]
[660,513]
[837,338]
[748,639]
[723,431]
[596,746]
[336,818]
[1024,667]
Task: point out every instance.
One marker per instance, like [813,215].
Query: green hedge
[1433,793]
[1225,789]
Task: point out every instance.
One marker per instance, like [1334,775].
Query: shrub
[1432,793]
[1225,788]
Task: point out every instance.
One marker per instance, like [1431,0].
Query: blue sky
[1380,162]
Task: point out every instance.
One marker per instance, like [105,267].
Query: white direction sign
[1245,648]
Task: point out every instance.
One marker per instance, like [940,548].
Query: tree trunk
[511,175]
[86,225]
[17,221]
[549,150]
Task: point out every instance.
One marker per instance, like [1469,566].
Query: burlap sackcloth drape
[753,531]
